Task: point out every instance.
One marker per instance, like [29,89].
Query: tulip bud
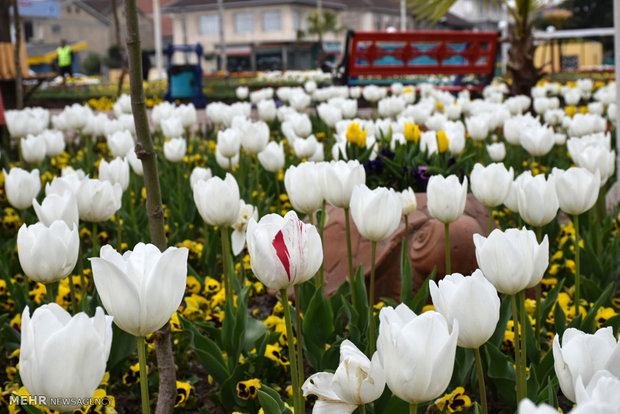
[21,186]
[491,184]
[48,254]
[33,148]
[537,200]
[142,288]
[408,201]
[199,174]
[57,207]
[272,157]
[63,358]
[172,127]
[98,200]
[376,213]
[284,251]
[254,136]
[446,197]
[577,189]
[512,260]
[120,143]
[217,200]
[497,151]
[582,355]
[417,352]
[228,142]
[116,171]
[472,301]
[303,187]
[174,150]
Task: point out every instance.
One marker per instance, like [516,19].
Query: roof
[190,5]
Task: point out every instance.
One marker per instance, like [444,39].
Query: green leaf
[318,327]
[559,320]
[533,353]
[406,274]
[421,297]
[268,403]
[504,316]
[614,322]
[276,397]
[207,351]
[396,406]
[123,345]
[588,324]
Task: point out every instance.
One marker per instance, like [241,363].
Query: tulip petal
[165,286]
[119,294]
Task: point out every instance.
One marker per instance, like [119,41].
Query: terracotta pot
[426,248]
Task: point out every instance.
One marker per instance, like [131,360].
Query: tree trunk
[19,88]
[521,62]
[146,152]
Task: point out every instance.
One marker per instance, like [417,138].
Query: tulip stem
[278,194]
[516,341]
[82,277]
[538,311]
[144,380]
[491,221]
[371,305]
[523,315]
[226,259]
[447,237]
[577,265]
[299,337]
[413,408]
[321,279]
[362,409]
[95,239]
[347,222]
[481,384]
[291,350]
[50,293]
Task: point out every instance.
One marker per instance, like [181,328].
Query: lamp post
[158,46]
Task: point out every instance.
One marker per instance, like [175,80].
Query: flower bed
[242,280]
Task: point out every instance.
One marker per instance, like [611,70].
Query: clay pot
[426,248]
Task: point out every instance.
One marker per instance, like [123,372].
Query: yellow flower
[272,321]
[570,110]
[248,389]
[453,402]
[133,376]
[175,323]
[427,308]
[439,106]
[356,135]
[603,314]
[211,285]
[443,143]
[412,132]
[570,264]
[184,390]
[192,285]
[196,306]
[274,352]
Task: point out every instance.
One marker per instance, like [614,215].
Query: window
[300,20]
[244,22]
[209,24]
[272,21]
[56,28]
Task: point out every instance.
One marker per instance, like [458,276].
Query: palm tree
[319,26]
[521,53]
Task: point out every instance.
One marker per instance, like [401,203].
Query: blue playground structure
[185,81]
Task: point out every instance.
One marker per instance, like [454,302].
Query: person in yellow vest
[64,60]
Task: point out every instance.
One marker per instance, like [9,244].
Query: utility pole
[158,47]
[403,16]
[223,57]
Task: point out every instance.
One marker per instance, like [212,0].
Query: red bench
[372,56]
